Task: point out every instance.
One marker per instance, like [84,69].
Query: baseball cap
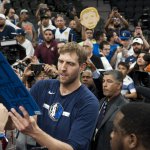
[20,32]
[44,16]
[23,11]
[125,35]
[2,16]
[138,40]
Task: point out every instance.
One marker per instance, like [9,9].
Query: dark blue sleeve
[83,126]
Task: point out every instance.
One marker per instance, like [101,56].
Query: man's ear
[82,67]
[132,141]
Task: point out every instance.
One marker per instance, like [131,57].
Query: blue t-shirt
[80,110]
[96,50]
[113,48]
[7,33]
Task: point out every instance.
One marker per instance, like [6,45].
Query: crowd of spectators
[117,69]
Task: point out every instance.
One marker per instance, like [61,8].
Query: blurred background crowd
[31,33]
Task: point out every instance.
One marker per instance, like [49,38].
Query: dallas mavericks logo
[55,111]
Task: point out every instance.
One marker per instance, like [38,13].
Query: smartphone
[37,67]
[138,29]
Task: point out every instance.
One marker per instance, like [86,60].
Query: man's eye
[71,64]
[60,61]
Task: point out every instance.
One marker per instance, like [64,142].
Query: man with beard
[62,32]
[137,45]
[109,106]
[5,30]
[131,129]
[47,52]
[69,109]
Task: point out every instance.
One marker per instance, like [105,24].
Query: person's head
[11,13]
[71,63]
[89,17]
[87,78]
[89,34]
[131,129]
[20,35]
[112,36]
[112,83]
[140,61]
[48,35]
[2,20]
[60,21]
[125,37]
[123,67]
[88,47]
[24,15]
[60,44]
[73,24]
[137,45]
[45,20]
[105,48]
[116,22]
[42,76]
[100,36]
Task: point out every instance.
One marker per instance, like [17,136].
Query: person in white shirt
[20,37]
[62,32]
[128,88]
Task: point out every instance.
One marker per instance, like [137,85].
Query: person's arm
[131,95]
[3,117]
[138,33]
[28,125]
[76,19]
[109,20]
[122,19]
[114,57]
[34,40]
[79,26]
[132,91]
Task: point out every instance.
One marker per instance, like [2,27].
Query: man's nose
[63,66]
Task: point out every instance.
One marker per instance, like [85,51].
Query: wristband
[2,136]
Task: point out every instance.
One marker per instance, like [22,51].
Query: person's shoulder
[88,96]
[54,42]
[28,42]
[40,46]
[9,27]
[122,100]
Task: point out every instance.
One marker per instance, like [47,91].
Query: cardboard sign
[89,17]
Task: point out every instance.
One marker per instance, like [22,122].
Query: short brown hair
[73,47]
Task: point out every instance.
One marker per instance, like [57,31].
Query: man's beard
[48,41]
[137,51]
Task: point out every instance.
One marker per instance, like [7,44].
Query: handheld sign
[13,93]
[89,17]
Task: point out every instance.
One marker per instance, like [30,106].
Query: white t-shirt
[120,56]
[50,26]
[64,36]
[29,47]
[128,86]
